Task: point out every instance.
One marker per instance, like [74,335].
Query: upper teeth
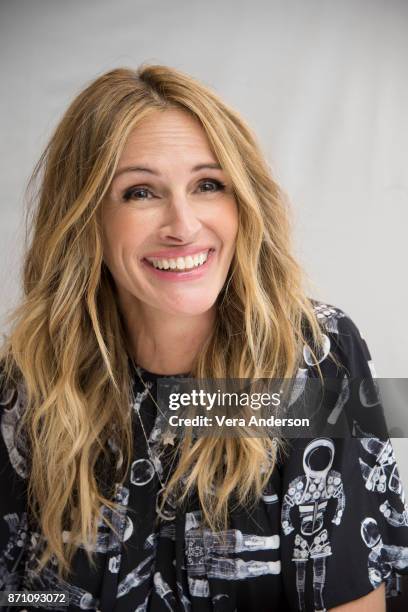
[180,263]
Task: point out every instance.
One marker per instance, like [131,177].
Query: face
[170,218]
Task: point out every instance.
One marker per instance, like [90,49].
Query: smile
[180,263]
[180,268]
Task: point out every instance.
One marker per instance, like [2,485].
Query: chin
[189,307]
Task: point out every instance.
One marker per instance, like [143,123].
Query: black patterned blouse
[332,523]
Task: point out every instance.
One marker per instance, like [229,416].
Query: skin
[373,602]
[167,322]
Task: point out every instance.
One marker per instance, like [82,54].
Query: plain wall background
[323,84]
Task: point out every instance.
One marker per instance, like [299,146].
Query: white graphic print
[329,316]
[372,368]
[376,477]
[268,494]
[136,577]
[341,401]
[114,564]
[310,359]
[17,526]
[382,557]
[48,580]
[369,392]
[164,591]
[185,602]
[143,606]
[383,476]
[199,587]
[140,396]
[393,517]
[220,596]
[299,385]
[141,472]
[142,571]
[206,555]
[13,402]
[106,539]
[309,494]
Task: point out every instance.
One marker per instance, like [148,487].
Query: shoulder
[334,319]
[343,339]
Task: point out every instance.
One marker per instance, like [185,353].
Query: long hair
[66,343]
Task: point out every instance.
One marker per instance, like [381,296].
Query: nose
[181,221]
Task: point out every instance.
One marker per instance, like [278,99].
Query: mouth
[180,268]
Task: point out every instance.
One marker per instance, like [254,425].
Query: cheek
[122,234]
[229,223]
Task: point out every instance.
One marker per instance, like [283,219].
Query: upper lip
[180,252]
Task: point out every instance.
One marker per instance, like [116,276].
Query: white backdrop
[324,86]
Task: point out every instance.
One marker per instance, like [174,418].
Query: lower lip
[175,277]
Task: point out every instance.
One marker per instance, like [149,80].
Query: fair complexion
[169,198]
[373,602]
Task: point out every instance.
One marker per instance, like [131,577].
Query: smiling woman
[159,248]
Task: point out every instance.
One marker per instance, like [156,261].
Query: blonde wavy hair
[66,340]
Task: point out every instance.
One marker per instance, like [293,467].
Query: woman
[160,246]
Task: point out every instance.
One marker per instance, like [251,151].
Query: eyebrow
[212,166]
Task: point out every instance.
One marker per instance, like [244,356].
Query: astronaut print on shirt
[332,508]
[309,495]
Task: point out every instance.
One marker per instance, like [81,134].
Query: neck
[164,343]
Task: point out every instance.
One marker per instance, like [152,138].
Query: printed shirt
[331,526]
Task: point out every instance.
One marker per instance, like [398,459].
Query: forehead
[168,133]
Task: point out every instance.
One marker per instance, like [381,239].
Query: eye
[218,185]
[134,192]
